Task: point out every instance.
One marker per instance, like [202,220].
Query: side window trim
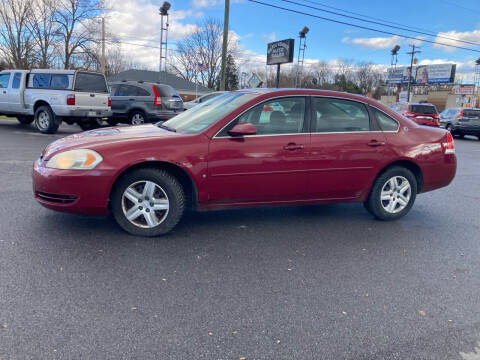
[371,108]
[306,115]
[17,75]
[314,116]
[9,79]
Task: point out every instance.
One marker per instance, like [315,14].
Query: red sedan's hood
[106,136]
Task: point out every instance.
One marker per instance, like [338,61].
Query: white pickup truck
[49,97]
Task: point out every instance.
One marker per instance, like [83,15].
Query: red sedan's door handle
[375,143]
[292,147]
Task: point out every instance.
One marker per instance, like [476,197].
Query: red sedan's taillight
[71,99]
[157,101]
[449,146]
[109,101]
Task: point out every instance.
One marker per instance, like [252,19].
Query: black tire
[90,124]
[167,183]
[448,127]
[45,120]
[375,205]
[25,120]
[112,122]
[137,117]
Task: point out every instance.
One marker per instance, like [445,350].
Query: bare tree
[75,27]
[202,48]
[16,42]
[42,26]
[323,73]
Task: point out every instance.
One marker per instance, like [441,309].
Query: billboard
[422,74]
[280,52]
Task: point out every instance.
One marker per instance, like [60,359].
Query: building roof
[152,76]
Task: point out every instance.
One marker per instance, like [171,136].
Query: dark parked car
[137,102]
[234,151]
[461,121]
[421,113]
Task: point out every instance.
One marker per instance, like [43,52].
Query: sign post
[280,52]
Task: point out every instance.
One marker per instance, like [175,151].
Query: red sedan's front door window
[267,167]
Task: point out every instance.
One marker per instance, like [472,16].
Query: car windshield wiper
[160,125]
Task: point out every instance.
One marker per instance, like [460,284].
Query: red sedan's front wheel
[148,202]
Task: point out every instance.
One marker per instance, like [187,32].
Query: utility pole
[103,45]
[412,53]
[225,45]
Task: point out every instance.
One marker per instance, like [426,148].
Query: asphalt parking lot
[312,282]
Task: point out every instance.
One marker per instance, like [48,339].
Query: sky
[254,25]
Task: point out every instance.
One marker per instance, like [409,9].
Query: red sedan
[247,148]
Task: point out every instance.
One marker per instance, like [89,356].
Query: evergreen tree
[231,74]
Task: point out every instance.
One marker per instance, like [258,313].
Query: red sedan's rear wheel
[148,202]
[393,194]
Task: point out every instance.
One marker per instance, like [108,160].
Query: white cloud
[269,37]
[382,42]
[472,36]
[138,22]
[375,42]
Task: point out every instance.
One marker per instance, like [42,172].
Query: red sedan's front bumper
[74,191]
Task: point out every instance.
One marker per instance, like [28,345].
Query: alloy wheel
[145,204]
[395,194]
[138,119]
[43,120]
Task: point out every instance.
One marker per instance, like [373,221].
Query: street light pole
[103,45]
[163,43]
[225,45]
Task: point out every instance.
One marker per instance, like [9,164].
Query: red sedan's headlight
[79,159]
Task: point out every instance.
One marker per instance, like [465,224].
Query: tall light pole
[301,53]
[103,45]
[412,53]
[225,45]
[163,43]
[393,62]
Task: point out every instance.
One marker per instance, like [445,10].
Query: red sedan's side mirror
[243,129]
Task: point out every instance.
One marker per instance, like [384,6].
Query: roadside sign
[254,81]
[280,52]
[403,96]
[464,89]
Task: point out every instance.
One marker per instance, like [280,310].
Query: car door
[123,98]
[347,149]
[15,105]
[269,167]
[4,92]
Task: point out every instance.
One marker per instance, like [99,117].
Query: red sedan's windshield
[203,115]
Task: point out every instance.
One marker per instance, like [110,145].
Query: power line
[362,27]
[460,6]
[381,23]
[365,16]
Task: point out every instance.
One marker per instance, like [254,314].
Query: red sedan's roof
[294,91]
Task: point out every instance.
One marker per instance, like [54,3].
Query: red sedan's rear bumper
[74,191]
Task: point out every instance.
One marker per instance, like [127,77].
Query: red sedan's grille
[56,198]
